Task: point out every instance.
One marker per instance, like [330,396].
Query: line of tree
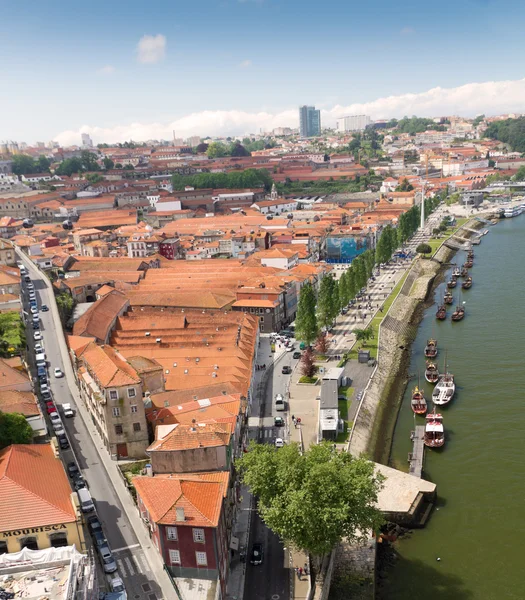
[413,125]
[87,161]
[312,499]
[23,164]
[509,131]
[249,178]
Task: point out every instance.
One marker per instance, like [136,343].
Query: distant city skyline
[91,71]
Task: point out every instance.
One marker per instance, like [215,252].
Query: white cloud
[107,70]
[151,48]
[245,64]
[491,97]
[407,31]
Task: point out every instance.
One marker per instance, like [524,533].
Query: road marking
[121,567]
[126,548]
[130,566]
[139,558]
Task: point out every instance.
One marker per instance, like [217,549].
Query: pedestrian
[306,564]
[293,417]
[300,572]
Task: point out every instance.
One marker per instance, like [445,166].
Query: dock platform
[417,456]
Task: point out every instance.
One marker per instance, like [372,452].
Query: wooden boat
[431,349]
[434,431]
[467,284]
[448,298]
[453,282]
[445,389]
[418,403]
[464,271]
[431,372]
[459,313]
[441,313]
[470,255]
[469,263]
[456,272]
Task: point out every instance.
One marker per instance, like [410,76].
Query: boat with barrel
[444,390]
[456,272]
[470,255]
[453,281]
[418,403]
[441,313]
[434,431]
[467,284]
[459,313]
[469,263]
[448,298]
[464,271]
[431,349]
[431,372]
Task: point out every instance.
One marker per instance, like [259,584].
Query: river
[478,526]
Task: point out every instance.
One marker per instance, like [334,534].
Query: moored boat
[434,431]
[448,298]
[456,272]
[452,282]
[464,271]
[467,284]
[470,255]
[459,313]
[441,313]
[444,390]
[431,372]
[418,403]
[469,263]
[431,348]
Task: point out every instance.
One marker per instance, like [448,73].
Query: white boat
[434,431]
[512,212]
[444,390]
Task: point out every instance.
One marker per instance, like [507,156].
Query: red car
[51,408]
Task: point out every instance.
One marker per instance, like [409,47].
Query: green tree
[94,178]
[404,186]
[237,149]
[520,174]
[89,161]
[42,164]
[14,429]
[23,164]
[424,249]
[108,164]
[129,167]
[312,500]
[327,302]
[201,148]
[65,305]
[306,327]
[216,150]
[69,166]
[363,335]
[344,289]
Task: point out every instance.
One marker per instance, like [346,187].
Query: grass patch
[12,334]
[372,343]
[321,357]
[436,243]
[305,379]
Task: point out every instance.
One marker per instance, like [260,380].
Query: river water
[478,527]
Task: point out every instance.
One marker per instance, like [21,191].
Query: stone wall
[354,571]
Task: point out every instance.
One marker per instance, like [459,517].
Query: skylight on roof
[204,402]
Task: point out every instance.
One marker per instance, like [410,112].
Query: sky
[139,70]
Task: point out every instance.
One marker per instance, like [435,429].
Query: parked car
[94,524]
[286,370]
[116,584]
[79,483]
[68,411]
[44,308]
[50,407]
[278,422]
[279,442]
[44,389]
[37,336]
[290,348]
[100,538]
[39,348]
[59,429]
[34,310]
[58,373]
[256,556]
[55,417]
[72,469]
[110,566]
[297,354]
[62,442]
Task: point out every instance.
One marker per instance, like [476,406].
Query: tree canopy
[509,131]
[249,178]
[312,500]
[327,301]
[413,125]
[86,162]
[306,327]
[23,164]
[424,248]
[14,429]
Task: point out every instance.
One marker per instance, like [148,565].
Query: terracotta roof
[26,496]
[200,498]
[78,343]
[182,299]
[101,315]
[10,376]
[108,366]
[186,437]
[25,403]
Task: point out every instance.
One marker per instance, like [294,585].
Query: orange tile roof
[100,316]
[26,496]
[187,437]
[108,366]
[10,376]
[78,343]
[200,498]
[25,403]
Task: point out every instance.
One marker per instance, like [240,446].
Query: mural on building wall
[344,249]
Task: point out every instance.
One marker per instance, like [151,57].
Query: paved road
[133,566]
[271,580]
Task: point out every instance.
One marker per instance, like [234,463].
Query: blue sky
[249,64]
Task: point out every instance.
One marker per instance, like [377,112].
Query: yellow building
[38,507]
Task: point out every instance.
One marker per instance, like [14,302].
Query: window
[136,426]
[174,557]
[118,429]
[29,542]
[171,533]
[198,535]
[131,393]
[134,408]
[113,395]
[3,547]
[116,411]
[202,560]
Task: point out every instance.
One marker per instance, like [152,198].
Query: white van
[279,402]
[86,502]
